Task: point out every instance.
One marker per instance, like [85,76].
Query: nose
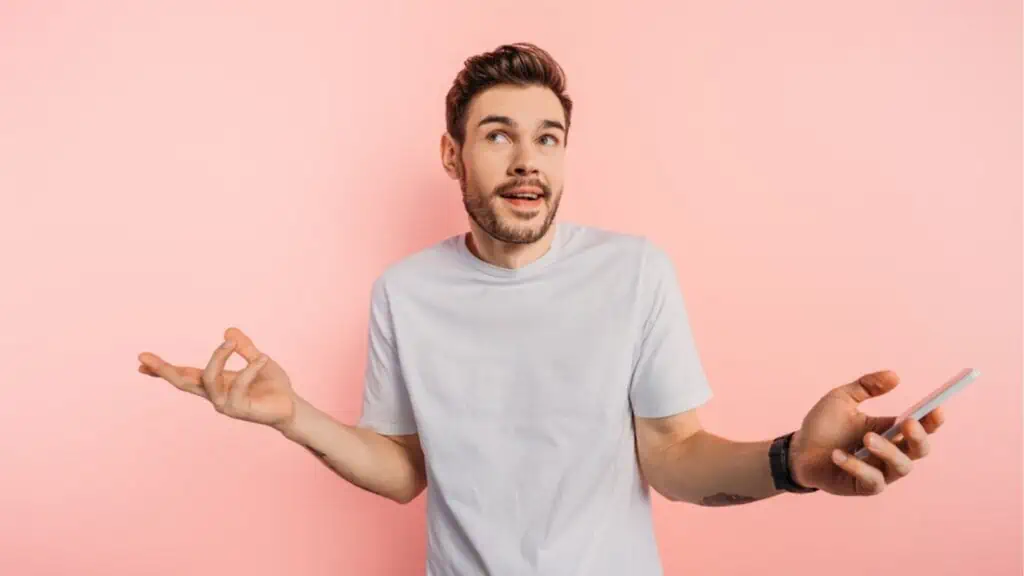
[523,164]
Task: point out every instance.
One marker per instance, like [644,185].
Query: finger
[870,386]
[933,420]
[868,479]
[880,424]
[196,375]
[211,378]
[192,376]
[239,390]
[180,377]
[897,464]
[245,346]
[915,440]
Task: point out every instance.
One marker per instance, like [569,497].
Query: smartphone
[927,404]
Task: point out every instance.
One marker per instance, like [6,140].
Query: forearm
[710,470]
[363,457]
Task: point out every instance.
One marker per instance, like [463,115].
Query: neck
[505,254]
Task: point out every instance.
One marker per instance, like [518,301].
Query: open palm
[261,392]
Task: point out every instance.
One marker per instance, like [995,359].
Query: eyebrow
[492,118]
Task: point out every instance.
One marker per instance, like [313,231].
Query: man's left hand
[821,453]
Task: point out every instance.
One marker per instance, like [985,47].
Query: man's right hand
[261,392]
[391,466]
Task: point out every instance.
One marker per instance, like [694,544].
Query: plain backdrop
[839,185]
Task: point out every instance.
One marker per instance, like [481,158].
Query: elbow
[405,496]
[658,482]
[408,493]
[667,494]
[403,499]
[676,494]
[666,472]
[671,497]
[406,478]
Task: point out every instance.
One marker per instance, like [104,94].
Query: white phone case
[927,404]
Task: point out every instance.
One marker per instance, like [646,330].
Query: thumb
[869,386]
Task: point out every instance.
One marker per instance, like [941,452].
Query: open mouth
[525,198]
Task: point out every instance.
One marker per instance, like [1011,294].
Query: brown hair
[520,64]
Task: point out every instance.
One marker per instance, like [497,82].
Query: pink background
[839,184]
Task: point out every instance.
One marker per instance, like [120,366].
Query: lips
[523,190]
[523,193]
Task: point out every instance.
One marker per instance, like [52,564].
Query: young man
[537,378]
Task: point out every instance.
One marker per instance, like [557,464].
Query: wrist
[781,461]
[292,427]
[795,469]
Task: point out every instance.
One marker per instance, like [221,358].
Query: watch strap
[782,476]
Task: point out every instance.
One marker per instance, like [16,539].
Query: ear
[450,156]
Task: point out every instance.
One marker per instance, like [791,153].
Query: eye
[494,136]
[551,140]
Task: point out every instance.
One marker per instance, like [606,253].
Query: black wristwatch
[778,457]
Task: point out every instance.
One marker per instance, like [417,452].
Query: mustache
[532,183]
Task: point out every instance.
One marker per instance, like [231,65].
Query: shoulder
[415,269]
[616,245]
[636,251]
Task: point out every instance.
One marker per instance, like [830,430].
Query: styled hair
[521,64]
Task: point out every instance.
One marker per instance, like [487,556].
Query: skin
[685,462]
[514,138]
[262,393]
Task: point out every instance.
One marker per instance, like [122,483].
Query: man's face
[510,166]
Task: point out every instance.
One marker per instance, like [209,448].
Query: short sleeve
[668,377]
[386,406]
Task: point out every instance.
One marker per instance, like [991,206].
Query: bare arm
[390,466]
[683,462]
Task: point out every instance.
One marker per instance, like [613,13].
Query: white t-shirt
[522,385]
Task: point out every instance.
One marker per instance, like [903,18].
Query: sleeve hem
[665,409]
[388,428]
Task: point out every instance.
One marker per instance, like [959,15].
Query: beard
[484,211]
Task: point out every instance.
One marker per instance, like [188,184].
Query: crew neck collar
[501,272]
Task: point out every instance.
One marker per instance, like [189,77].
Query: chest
[499,355]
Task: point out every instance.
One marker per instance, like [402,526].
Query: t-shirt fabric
[522,385]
